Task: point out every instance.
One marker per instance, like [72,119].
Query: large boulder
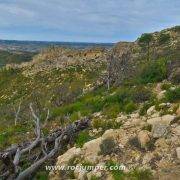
[91,150]
[63,161]
[166,119]
[70,154]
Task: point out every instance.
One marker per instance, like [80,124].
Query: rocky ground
[144,142]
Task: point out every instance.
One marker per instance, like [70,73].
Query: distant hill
[9,57]
[34,46]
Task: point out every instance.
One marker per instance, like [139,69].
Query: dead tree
[48,146]
[17,114]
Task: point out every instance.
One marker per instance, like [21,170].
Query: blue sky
[85,20]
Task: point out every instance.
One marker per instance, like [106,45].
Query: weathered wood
[48,146]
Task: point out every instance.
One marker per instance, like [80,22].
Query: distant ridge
[34,46]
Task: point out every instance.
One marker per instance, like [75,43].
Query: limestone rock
[111,133]
[161,94]
[159,130]
[178,111]
[80,174]
[161,143]
[147,158]
[176,130]
[166,119]
[178,152]
[91,150]
[151,110]
[144,138]
[68,155]
[155,120]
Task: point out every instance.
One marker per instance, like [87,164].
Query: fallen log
[49,146]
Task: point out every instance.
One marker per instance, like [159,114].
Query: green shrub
[94,103]
[130,107]
[163,38]
[173,95]
[82,138]
[154,71]
[42,175]
[145,38]
[144,108]
[106,124]
[166,86]
[112,110]
[140,174]
[95,178]
[136,174]
[141,94]
[147,127]
[176,28]
[107,146]
[117,174]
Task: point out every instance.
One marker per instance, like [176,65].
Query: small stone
[177,130]
[151,110]
[161,94]
[178,152]
[161,143]
[178,111]
[159,130]
[147,158]
[135,115]
[156,114]
[144,138]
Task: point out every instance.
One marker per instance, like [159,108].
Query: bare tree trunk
[17,114]
[60,139]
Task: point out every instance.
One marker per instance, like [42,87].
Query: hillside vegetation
[120,90]
[8,57]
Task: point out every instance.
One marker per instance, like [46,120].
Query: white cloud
[95,20]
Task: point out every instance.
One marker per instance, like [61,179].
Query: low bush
[163,38]
[140,174]
[82,138]
[153,71]
[166,86]
[105,124]
[116,173]
[107,146]
[112,110]
[173,95]
[130,107]
[141,94]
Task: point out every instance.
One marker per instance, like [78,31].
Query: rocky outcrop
[135,145]
[127,57]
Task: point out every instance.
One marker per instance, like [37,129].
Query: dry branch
[48,146]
